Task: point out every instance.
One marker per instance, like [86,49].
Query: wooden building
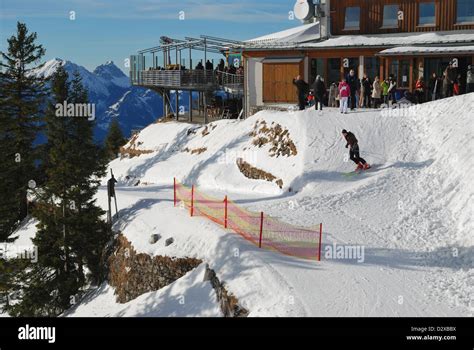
[404,38]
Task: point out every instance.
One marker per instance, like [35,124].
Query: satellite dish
[304,9]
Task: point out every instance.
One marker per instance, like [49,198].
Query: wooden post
[320,240]
[192,200]
[225,212]
[261,230]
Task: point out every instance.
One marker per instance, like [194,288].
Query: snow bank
[189,296]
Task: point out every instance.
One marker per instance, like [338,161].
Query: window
[465,11]
[352,19]
[427,13]
[334,70]
[317,68]
[400,69]
[372,67]
[390,16]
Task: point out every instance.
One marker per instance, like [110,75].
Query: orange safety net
[276,235]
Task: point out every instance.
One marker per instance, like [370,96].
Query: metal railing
[175,78]
[187,78]
[227,79]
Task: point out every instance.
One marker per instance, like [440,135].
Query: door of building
[278,82]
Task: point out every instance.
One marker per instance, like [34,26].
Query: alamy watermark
[230,157]
[344,252]
[76,110]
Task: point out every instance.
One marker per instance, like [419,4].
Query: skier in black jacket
[302,88]
[319,91]
[354,150]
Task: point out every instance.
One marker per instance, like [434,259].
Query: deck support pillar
[205,106]
[177,104]
[190,116]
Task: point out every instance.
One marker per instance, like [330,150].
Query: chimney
[324,16]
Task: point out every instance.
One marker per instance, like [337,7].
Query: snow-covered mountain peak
[112,73]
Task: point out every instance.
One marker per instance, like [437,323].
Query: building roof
[298,35]
[427,50]
[299,40]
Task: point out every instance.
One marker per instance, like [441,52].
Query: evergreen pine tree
[48,285]
[89,234]
[21,98]
[114,139]
[71,235]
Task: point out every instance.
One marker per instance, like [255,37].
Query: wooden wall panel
[278,82]
[372,16]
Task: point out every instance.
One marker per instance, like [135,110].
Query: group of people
[353,92]
[450,84]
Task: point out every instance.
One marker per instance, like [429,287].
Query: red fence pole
[225,212]
[320,240]
[192,200]
[261,230]
[174,191]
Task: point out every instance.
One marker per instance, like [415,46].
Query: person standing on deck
[302,89]
[376,92]
[319,89]
[333,95]
[354,84]
[344,93]
[469,80]
[354,150]
[435,87]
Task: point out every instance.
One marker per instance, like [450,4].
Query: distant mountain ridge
[113,95]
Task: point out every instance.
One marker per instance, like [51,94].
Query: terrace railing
[230,81]
[198,79]
[176,78]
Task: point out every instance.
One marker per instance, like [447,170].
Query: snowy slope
[216,167]
[412,213]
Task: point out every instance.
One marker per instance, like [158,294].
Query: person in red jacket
[344,93]
[420,90]
[354,150]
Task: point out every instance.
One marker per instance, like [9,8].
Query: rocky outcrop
[252,172]
[197,151]
[275,135]
[229,304]
[133,274]
[131,150]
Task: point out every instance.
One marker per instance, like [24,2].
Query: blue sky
[113,29]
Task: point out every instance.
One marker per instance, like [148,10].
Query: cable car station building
[404,38]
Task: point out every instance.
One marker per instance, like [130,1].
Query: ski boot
[367,166]
[360,166]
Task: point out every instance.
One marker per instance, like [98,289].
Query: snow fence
[258,228]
